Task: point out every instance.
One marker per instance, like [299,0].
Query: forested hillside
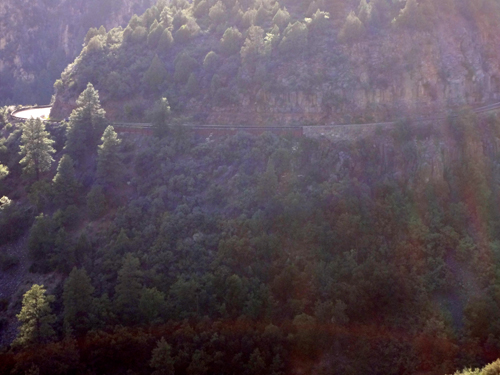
[39,38]
[254,255]
[289,61]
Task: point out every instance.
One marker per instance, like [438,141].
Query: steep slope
[40,37]
[292,62]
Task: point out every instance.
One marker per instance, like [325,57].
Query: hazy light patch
[42,113]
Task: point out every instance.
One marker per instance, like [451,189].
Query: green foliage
[211,62]
[128,289]
[184,66]
[161,359]
[65,185]
[166,41]
[183,35]
[294,38]
[160,117]
[86,124]
[109,165]
[78,301]
[36,317]
[253,48]
[155,77]
[4,171]
[96,202]
[411,17]
[36,148]
[231,41]
[491,369]
[155,33]
[281,18]
[353,30]
[192,87]
[151,305]
[217,13]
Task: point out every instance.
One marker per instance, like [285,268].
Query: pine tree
[64,183]
[36,147]
[36,317]
[128,289]
[4,171]
[155,76]
[353,29]
[166,41]
[96,202]
[77,299]
[160,117]
[161,359]
[86,124]
[151,304]
[109,165]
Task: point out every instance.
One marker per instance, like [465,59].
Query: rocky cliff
[305,73]
[381,78]
[38,38]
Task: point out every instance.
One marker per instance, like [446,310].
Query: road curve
[42,113]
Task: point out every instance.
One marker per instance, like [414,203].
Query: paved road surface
[42,113]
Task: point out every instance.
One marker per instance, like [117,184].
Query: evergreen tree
[231,41]
[155,76]
[151,304]
[64,183]
[128,289]
[4,171]
[36,148]
[166,41]
[35,317]
[161,359]
[160,117]
[268,182]
[281,18]
[96,202]
[211,62]
[77,299]
[192,87]
[353,29]
[86,124]
[294,38]
[109,165]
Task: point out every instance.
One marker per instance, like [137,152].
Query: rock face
[382,78]
[389,73]
[38,38]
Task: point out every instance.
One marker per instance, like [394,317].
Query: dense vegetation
[209,53]
[40,38]
[254,255]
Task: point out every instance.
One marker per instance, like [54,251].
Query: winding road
[43,112]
